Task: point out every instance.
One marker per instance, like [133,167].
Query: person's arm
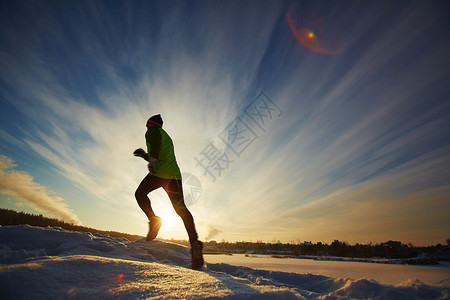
[141,153]
[153,138]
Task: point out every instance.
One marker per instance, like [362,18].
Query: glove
[140,153]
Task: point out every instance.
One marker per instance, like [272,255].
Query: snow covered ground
[383,273]
[51,263]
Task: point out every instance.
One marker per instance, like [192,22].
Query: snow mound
[22,243]
[52,263]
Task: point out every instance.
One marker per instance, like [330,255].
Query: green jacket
[160,147]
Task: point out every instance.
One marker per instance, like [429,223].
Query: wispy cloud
[366,136]
[90,131]
[352,125]
[21,186]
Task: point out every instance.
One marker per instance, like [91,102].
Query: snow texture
[51,263]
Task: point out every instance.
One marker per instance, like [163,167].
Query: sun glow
[169,220]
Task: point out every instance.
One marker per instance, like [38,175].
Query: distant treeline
[12,218]
[390,249]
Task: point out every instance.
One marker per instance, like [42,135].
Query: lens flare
[320,36]
[118,279]
[72,292]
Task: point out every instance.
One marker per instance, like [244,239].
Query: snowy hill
[52,263]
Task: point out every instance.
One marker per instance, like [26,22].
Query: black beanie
[155,120]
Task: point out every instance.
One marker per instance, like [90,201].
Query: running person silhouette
[164,172]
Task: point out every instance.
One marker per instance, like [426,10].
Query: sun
[169,220]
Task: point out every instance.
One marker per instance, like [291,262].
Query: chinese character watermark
[240,134]
[192,189]
[213,161]
[262,110]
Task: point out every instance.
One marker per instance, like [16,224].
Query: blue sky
[342,135]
